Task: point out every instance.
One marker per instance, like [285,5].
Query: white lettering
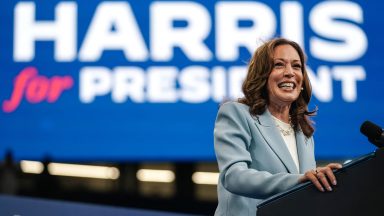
[229,36]
[346,41]
[349,75]
[165,37]
[162,84]
[94,81]
[194,83]
[237,75]
[219,82]
[113,28]
[292,27]
[128,82]
[62,31]
[322,83]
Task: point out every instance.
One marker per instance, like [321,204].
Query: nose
[288,72]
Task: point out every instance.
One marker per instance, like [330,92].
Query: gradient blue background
[69,130]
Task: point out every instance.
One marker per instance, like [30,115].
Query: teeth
[289,85]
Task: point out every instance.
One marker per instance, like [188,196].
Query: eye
[297,66]
[279,65]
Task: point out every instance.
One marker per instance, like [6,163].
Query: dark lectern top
[359,191]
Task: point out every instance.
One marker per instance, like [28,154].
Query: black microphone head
[371,130]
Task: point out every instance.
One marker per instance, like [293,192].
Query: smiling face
[286,77]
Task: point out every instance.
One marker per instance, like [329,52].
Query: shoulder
[234,106]
[233,111]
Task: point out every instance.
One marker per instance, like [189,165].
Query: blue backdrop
[142,80]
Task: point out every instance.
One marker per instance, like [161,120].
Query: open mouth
[287,85]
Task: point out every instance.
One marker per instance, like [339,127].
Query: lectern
[360,191]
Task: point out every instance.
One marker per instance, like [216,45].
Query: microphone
[374,133]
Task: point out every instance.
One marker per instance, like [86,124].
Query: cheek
[272,80]
[300,79]
[271,87]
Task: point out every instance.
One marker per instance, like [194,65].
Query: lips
[287,85]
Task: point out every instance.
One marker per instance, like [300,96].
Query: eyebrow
[294,60]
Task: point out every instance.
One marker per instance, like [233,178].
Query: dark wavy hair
[255,86]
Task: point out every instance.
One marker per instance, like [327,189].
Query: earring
[302,88]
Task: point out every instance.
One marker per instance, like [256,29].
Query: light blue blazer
[253,159]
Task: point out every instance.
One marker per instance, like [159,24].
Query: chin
[289,98]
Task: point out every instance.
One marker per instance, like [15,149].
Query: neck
[280,112]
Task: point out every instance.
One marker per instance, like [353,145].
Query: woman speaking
[263,141]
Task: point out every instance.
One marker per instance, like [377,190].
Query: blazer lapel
[272,136]
[303,152]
